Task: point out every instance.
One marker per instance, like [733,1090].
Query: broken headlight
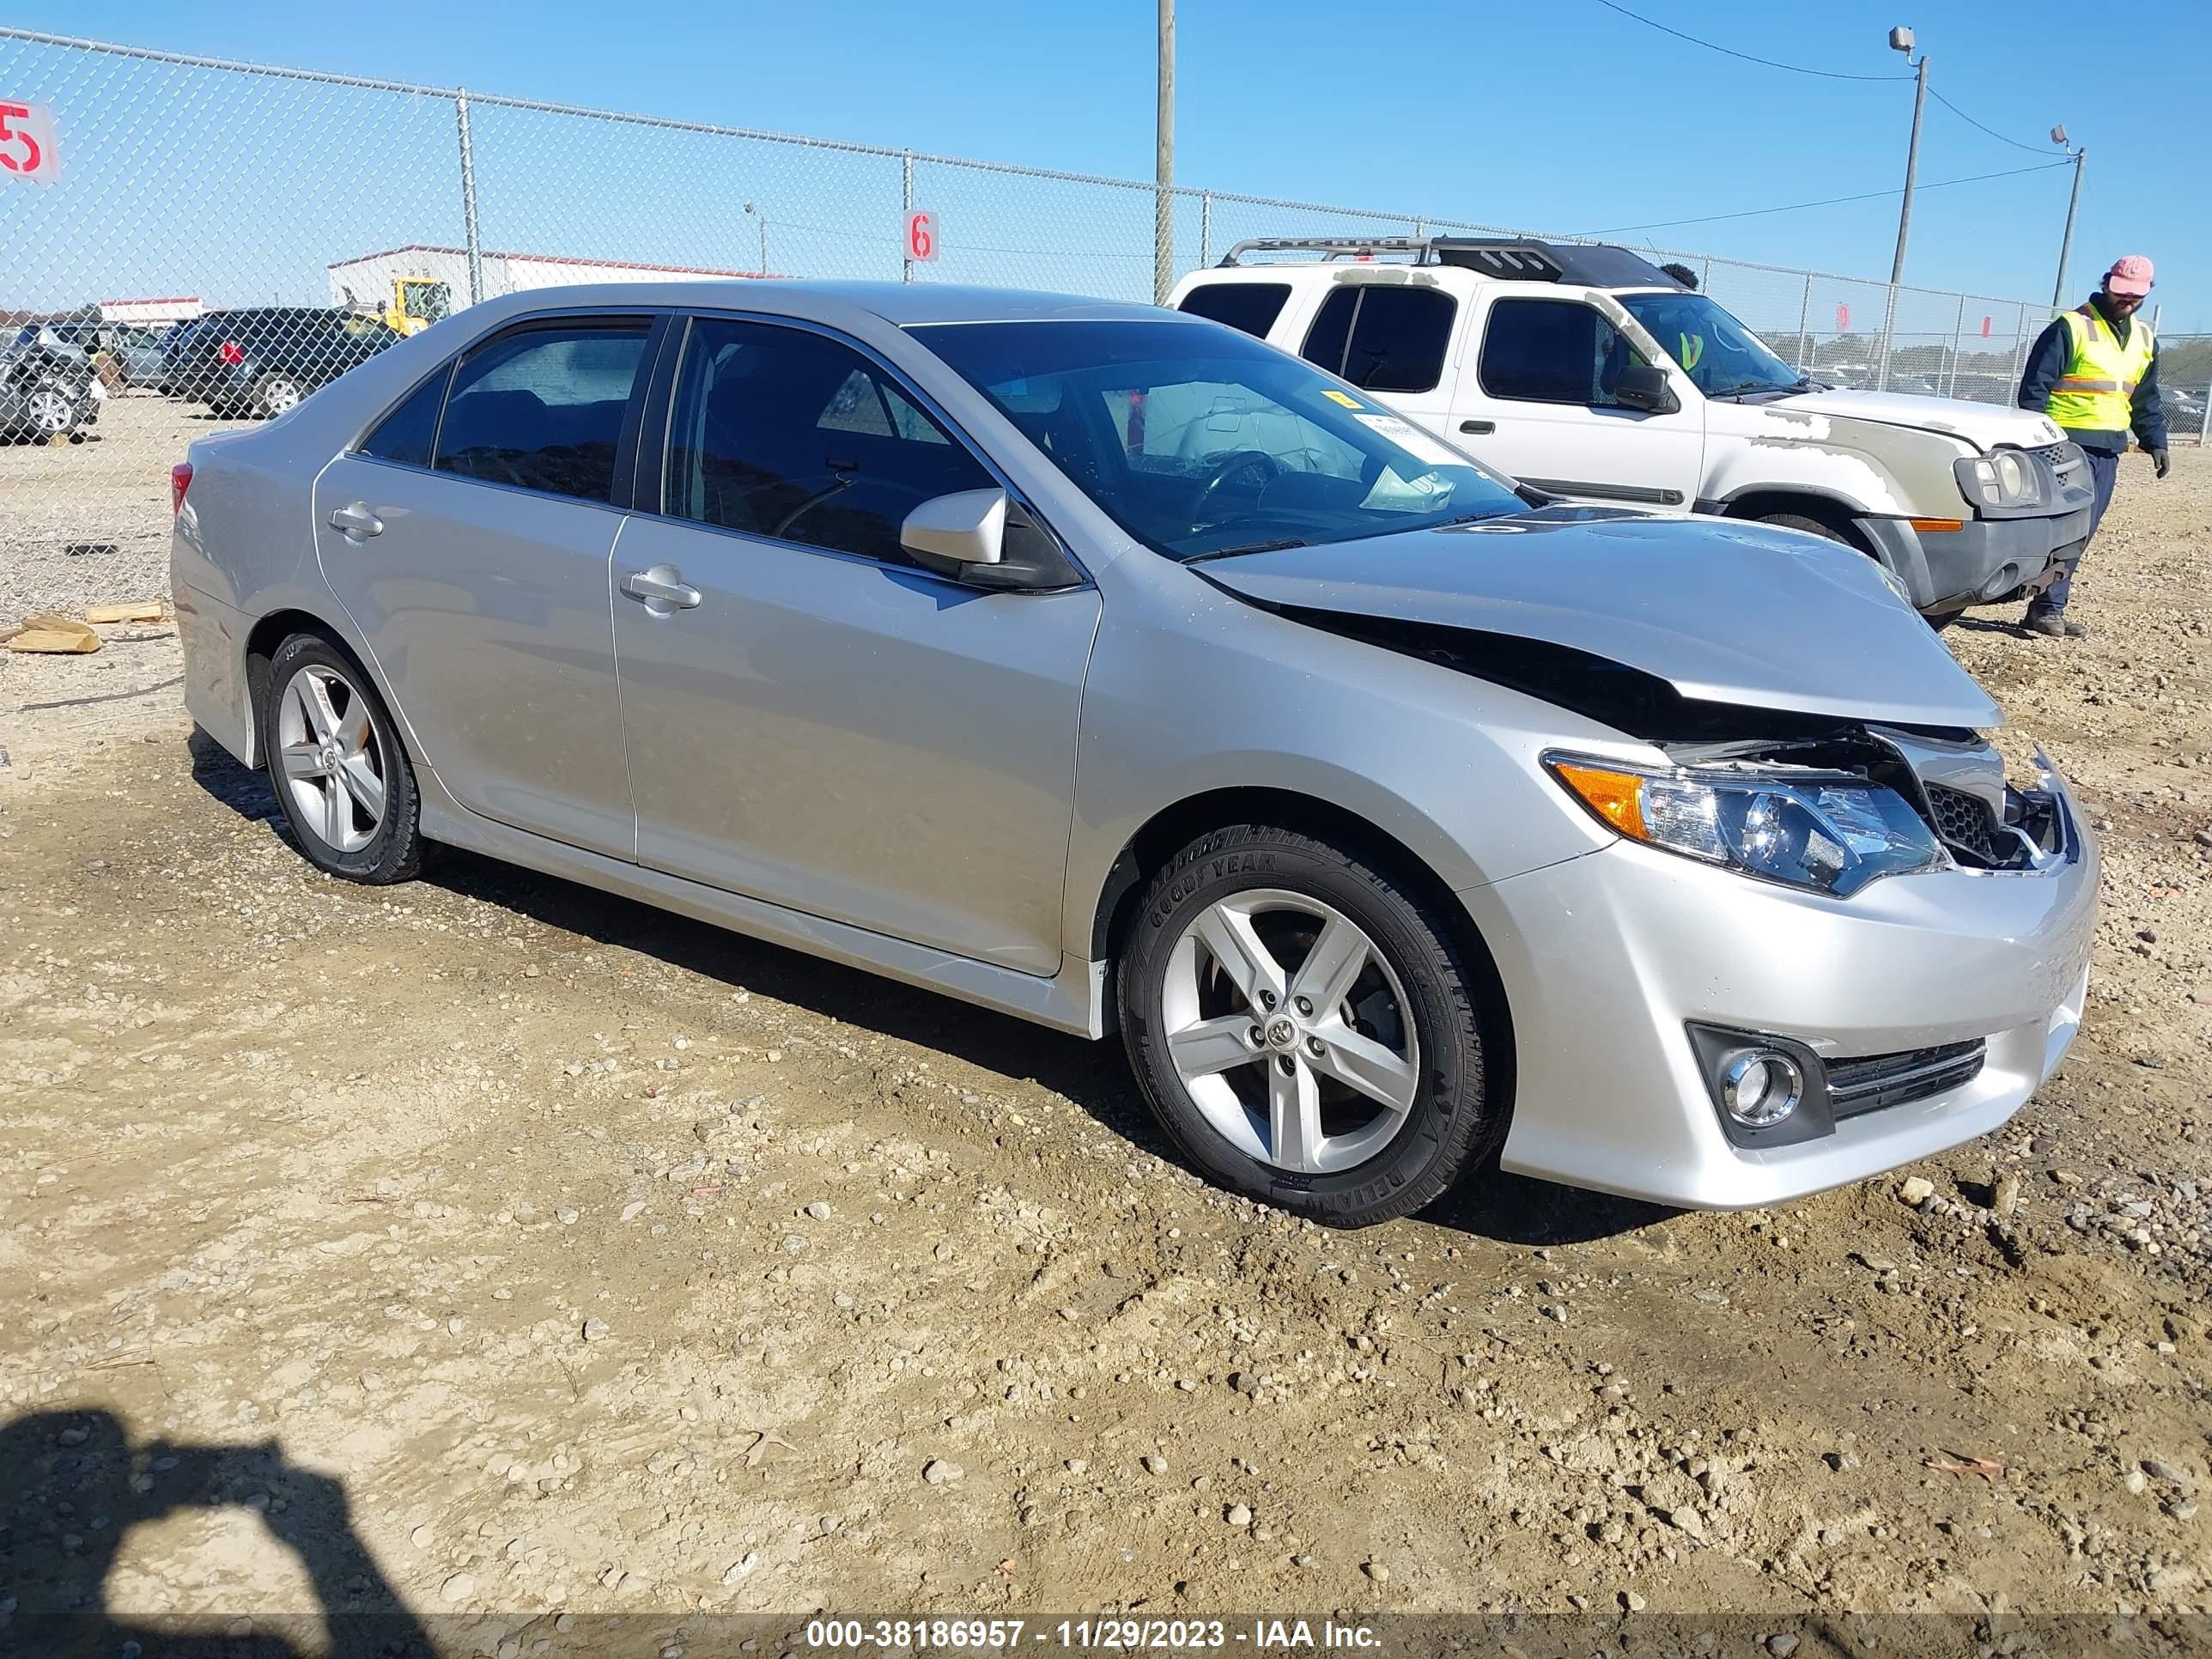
[1825,834]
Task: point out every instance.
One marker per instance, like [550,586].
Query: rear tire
[338,766]
[276,394]
[1265,971]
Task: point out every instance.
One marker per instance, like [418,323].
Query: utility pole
[1163,202]
[2066,242]
[1900,39]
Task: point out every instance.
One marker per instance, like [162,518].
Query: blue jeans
[2103,469]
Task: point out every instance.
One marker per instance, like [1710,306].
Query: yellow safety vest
[2095,394]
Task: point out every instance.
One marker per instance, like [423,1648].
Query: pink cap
[2130,274]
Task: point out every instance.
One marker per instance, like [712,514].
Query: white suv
[1587,373]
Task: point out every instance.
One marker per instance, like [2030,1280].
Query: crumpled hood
[1984,425]
[1724,612]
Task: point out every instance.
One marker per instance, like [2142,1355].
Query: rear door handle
[356,520]
[1478,427]
[663,586]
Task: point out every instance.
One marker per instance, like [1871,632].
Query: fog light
[1761,1088]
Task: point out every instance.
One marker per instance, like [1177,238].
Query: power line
[1769,63]
[1833,201]
[2033,149]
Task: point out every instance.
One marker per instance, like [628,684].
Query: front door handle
[1477,427]
[355,520]
[662,586]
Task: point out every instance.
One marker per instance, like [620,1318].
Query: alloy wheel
[279,396]
[1291,1031]
[330,758]
[51,411]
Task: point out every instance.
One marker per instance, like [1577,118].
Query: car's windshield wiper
[1250,546]
[1756,386]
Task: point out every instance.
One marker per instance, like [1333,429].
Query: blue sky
[1565,116]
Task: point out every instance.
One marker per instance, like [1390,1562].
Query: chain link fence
[189,242]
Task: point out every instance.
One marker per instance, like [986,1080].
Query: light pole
[1900,39]
[763,218]
[2074,201]
[1164,134]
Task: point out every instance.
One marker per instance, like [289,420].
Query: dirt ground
[496,1250]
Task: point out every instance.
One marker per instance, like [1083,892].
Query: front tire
[1307,1031]
[338,766]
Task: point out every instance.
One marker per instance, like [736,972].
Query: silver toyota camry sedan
[1112,669]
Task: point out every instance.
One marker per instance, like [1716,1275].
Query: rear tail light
[180,480]
[230,352]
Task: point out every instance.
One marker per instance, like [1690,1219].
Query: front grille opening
[1976,836]
[1875,1081]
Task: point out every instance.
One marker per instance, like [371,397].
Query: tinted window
[405,434]
[782,433]
[1202,441]
[543,410]
[1387,339]
[1331,329]
[1252,306]
[1552,351]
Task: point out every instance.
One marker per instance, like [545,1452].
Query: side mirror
[966,528]
[1644,386]
[981,538]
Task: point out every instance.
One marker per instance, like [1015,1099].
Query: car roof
[900,304]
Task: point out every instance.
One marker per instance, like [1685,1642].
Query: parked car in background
[2184,409]
[264,360]
[1590,374]
[47,388]
[134,349]
[1109,668]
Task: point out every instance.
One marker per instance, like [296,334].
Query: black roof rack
[1597,265]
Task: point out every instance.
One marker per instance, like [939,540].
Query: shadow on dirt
[1507,1209]
[75,1483]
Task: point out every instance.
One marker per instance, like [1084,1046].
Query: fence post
[468,197]
[905,206]
[2204,427]
[2019,352]
[1205,228]
[1958,329]
[1804,323]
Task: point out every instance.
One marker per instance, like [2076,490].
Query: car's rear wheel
[276,394]
[1308,1032]
[339,767]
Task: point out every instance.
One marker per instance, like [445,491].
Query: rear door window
[1252,306]
[542,408]
[408,434]
[1385,339]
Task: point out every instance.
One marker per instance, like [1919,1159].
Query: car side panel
[1263,703]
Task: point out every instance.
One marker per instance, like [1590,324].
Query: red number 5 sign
[27,149]
[921,236]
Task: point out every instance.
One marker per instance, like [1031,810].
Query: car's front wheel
[1309,1033]
[338,766]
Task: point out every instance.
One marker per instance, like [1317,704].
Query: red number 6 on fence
[921,237]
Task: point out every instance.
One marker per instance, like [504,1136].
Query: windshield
[1717,351]
[1198,439]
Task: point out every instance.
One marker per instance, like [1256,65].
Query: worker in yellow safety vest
[2094,372]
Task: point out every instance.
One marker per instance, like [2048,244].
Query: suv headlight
[1825,834]
[2005,481]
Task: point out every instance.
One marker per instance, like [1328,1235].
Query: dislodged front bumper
[1983,561]
[1611,958]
